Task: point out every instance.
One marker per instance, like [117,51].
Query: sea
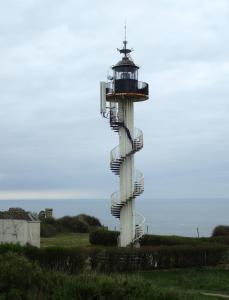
[184,217]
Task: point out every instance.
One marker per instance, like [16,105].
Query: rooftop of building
[17,213]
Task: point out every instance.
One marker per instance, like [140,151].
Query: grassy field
[66,240]
[170,285]
[193,282]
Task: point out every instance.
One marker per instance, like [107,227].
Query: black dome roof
[125,62]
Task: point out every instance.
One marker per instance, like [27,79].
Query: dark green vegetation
[155,258]
[78,224]
[160,253]
[109,238]
[155,240]
[207,279]
[39,283]
[112,259]
[104,237]
[164,268]
[221,230]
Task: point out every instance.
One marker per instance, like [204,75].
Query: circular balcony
[127,89]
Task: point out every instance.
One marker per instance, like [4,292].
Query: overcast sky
[53,54]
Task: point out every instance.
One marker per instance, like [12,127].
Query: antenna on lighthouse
[125,31]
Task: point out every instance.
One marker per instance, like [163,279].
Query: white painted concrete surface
[127,216]
[20,231]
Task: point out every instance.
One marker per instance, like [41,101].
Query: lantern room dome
[125,62]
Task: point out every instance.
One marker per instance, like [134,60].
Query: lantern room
[124,83]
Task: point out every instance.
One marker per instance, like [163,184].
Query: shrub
[19,278]
[103,237]
[159,240]
[221,230]
[14,248]
[64,223]
[101,287]
[81,223]
[113,259]
[69,260]
[164,257]
[73,224]
[48,230]
[223,240]
[90,220]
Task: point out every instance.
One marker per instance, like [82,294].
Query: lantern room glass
[126,73]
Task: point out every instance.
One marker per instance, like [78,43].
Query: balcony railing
[127,86]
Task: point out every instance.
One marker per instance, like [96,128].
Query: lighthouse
[117,102]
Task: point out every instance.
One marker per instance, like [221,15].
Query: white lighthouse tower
[117,104]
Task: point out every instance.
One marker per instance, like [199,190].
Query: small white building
[19,226]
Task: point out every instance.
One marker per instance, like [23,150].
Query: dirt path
[215,295]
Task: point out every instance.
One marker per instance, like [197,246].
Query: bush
[48,230]
[69,260]
[101,287]
[19,278]
[223,240]
[72,224]
[164,257]
[159,240]
[221,230]
[104,237]
[112,259]
[81,223]
[91,221]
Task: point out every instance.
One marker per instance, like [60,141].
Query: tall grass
[22,279]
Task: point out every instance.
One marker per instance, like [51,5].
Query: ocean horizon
[163,216]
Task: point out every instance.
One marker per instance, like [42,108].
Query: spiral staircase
[116,160]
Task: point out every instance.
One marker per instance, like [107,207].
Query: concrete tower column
[127,215]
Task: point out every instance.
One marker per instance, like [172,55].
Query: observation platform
[124,89]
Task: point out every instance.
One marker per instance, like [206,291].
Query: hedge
[153,258]
[224,240]
[75,260]
[221,230]
[159,240]
[104,237]
[48,230]
[19,277]
[81,223]
[69,260]
[109,238]
[22,279]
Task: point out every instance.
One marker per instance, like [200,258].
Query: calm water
[165,216]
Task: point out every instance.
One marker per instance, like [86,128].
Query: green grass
[66,240]
[189,283]
[199,280]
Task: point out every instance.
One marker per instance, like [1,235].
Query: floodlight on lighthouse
[117,97]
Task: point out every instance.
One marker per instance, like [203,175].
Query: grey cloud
[53,55]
